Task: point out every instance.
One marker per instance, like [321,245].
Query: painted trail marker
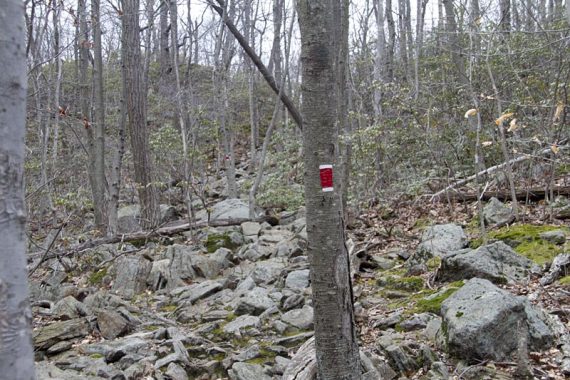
[326,173]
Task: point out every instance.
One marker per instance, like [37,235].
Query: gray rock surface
[496,212]
[198,291]
[556,236]
[242,322]
[298,279]
[230,209]
[131,275]
[111,324]
[482,321]
[560,267]
[438,241]
[245,371]
[299,318]
[46,336]
[496,262]
[254,302]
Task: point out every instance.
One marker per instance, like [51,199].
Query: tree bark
[98,147]
[16,350]
[335,335]
[136,109]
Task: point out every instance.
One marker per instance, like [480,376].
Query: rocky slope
[235,302]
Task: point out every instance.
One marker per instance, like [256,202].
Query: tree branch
[295,114]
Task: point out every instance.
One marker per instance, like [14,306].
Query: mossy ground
[525,240]
[215,241]
[97,277]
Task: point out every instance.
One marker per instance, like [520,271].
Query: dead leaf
[471,112]
[503,118]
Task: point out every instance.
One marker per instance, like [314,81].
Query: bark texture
[16,351]
[335,336]
[136,109]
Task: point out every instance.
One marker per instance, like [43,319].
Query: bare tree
[335,335]
[136,109]
[16,350]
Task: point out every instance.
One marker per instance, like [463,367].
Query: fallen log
[147,235]
[494,169]
[528,195]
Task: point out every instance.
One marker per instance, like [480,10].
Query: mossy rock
[97,277]
[215,241]
[432,304]
[525,240]
[564,280]
[408,284]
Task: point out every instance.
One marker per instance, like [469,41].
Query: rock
[46,336]
[241,322]
[293,302]
[128,219]
[245,371]
[561,207]
[69,308]
[268,271]
[180,270]
[417,321]
[560,267]
[390,321]
[496,262]
[131,275]
[556,236]
[195,292]
[250,228]
[481,321]
[281,364]
[438,241]
[401,358]
[49,371]
[254,302]
[245,285]
[176,372]
[495,212]
[249,353]
[129,216]
[111,324]
[438,371]
[299,318]
[229,209]
[298,279]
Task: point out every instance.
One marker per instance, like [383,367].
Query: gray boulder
[131,275]
[112,324]
[69,308]
[128,217]
[298,279]
[482,321]
[438,241]
[246,371]
[496,262]
[299,318]
[242,322]
[560,266]
[555,236]
[254,302]
[47,336]
[561,207]
[496,212]
[195,292]
[268,271]
[229,209]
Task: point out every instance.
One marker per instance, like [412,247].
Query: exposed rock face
[438,241]
[128,217]
[496,212]
[560,266]
[47,336]
[230,209]
[132,275]
[496,262]
[245,371]
[481,321]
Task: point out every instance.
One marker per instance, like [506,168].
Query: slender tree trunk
[335,335]
[136,106]
[421,12]
[98,149]
[16,349]
[391,41]
[57,85]
[454,42]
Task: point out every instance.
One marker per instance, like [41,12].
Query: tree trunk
[98,149]
[16,350]
[335,335]
[136,109]
[391,41]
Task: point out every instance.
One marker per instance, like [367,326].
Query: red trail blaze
[326,173]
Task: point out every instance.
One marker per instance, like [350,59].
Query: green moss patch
[97,277]
[408,284]
[564,280]
[525,240]
[215,241]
